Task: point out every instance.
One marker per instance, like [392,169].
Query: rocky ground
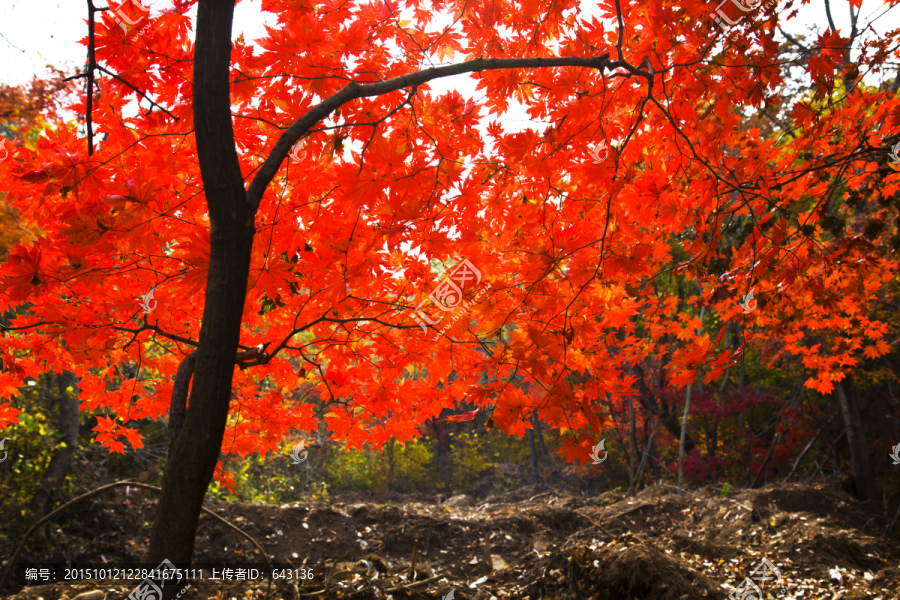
[536,543]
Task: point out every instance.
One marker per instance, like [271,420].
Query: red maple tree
[303,208]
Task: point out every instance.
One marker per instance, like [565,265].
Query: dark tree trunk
[441,439]
[745,428]
[534,471]
[196,449]
[178,408]
[632,451]
[666,414]
[55,475]
[863,475]
[540,437]
[390,454]
[443,467]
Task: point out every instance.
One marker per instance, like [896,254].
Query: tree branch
[355,90]
[178,407]
[100,490]
[792,40]
[143,95]
[90,79]
[828,14]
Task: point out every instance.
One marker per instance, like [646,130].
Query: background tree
[25,112]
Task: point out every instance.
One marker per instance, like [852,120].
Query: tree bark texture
[55,475]
[196,449]
[666,414]
[863,475]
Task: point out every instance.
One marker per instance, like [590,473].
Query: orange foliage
[570,247]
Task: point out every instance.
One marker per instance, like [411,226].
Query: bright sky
[35,33]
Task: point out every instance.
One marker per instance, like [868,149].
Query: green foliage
[414,467]
[30,444]
[356,470]
[259,480]
[469,459]
[726,490]
[371,471]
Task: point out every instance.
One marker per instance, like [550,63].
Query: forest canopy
[369,253]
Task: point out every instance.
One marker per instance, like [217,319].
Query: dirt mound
[822,551]
[704,548]
[796,498]
[644,573]
[535,542]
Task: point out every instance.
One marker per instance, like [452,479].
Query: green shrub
[469,459]
[413,466]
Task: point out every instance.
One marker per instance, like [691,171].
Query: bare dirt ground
[542,544]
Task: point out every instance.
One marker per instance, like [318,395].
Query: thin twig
[894,520]
[409,586]
[133,87]
[597,525]
[818,466]
[412,566]
[21,547]
[539,495]
[799,458]
[640,471]
[100,490]
[766,462]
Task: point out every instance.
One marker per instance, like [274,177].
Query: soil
[663,544]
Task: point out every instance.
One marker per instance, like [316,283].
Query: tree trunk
[687,411]
[745,428]
[178,407]
[632,450]
[668,415]
[648,447]
[55,475]
[536,422]
[196,449]
[863,475]
[534,471]
[442,466]
[713,442]
[687,404]
[390,454]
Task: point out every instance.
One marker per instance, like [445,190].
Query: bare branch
[828,14]
[90,78]
[143,95]
[356,90]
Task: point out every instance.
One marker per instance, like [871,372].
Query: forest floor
[660,545]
